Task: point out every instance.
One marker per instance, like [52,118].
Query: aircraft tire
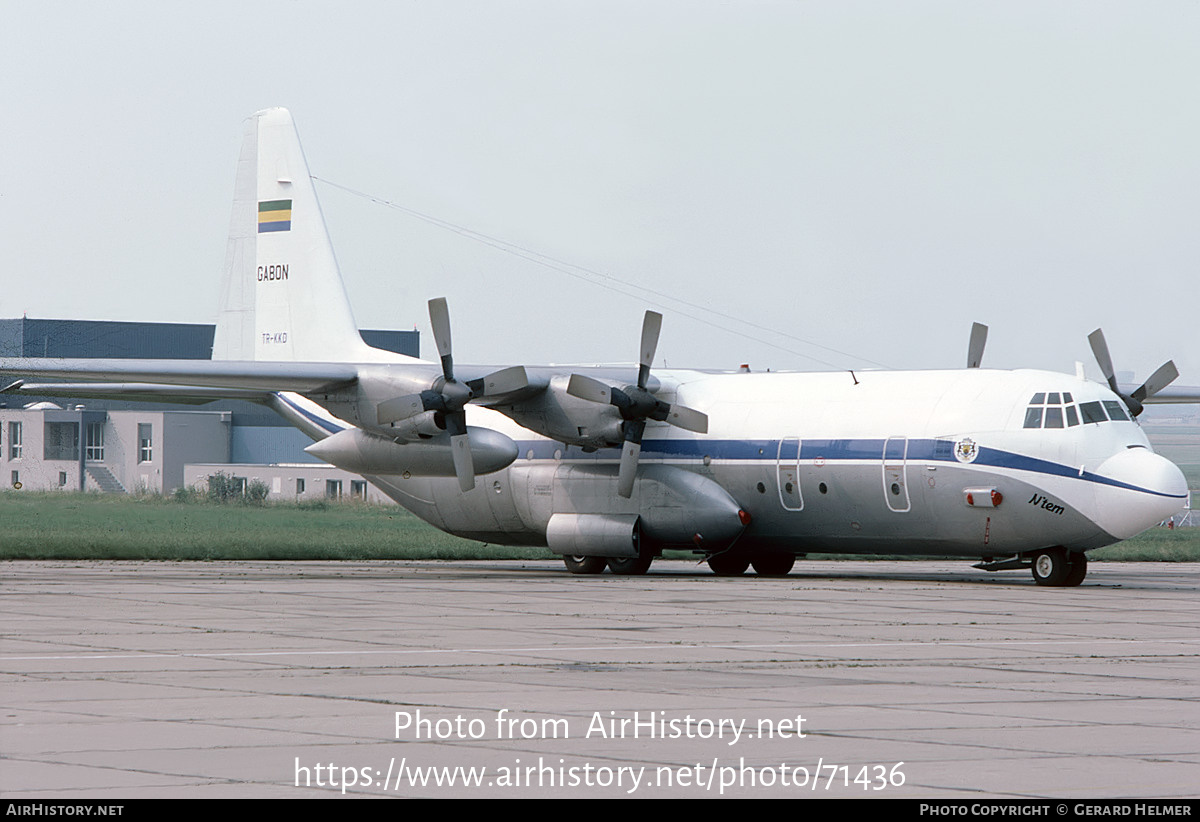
[729,564]
[1050,567]
[585,565]
[1078,570]
[773,564]
[630,566]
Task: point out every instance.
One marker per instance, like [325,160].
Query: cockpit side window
[1072,416]
[1115,411]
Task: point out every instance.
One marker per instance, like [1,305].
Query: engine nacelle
[415,429]
[364,453]
[557,415]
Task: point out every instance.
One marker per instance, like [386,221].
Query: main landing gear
[622,566]
[766,563]
[585,565]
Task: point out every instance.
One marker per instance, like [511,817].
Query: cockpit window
[1092,412]
[1056,409]
[1115,411]
[1053,409]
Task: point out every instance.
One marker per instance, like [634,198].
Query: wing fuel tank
[363,453]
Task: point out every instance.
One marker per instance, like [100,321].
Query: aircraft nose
[1139,489]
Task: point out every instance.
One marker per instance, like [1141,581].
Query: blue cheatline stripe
[325,425]
[829,450]
[280,225]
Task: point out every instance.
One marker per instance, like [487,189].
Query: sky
[794,185]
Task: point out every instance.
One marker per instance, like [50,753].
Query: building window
[61,441]
[94,450]
[62,479]
[14,442]
[16,479]
[358,489]
[145,442]
[299,487]
[333,489]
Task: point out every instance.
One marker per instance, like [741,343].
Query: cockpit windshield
[1057,409]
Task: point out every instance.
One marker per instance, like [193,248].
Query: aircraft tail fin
[282,297]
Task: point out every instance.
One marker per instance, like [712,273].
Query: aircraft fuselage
[934,462]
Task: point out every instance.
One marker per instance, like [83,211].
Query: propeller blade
[587,388]
[1100,351]
[629,457]
[439,319]
[628,471]
[651,326]
[688,418]
[464,464]
[456,423]
[399,408]
[504,381]
[1160,379]
[975,347]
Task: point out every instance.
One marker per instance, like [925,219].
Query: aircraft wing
[253,376]
[1175,394]
[134,391]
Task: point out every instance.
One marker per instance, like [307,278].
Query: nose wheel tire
[1078,570]
[585,565]
[1056,568]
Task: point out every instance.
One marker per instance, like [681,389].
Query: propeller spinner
[636,404]
[1159,380]
[449,397]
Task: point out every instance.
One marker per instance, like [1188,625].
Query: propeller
[975,347]
[636,404]
[1159,380]
[449,397]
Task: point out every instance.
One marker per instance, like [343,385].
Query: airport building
[122,446]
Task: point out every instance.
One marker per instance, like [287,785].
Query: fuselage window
[1054,417]
[1115,412]
[1092,412]
[1033,417]
[1072,415]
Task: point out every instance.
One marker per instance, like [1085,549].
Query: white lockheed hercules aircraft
[608,467]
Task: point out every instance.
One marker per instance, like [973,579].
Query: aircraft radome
[609,467]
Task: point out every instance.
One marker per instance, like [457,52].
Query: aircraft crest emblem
[965,450]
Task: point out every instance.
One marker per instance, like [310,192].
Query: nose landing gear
[1056,567]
